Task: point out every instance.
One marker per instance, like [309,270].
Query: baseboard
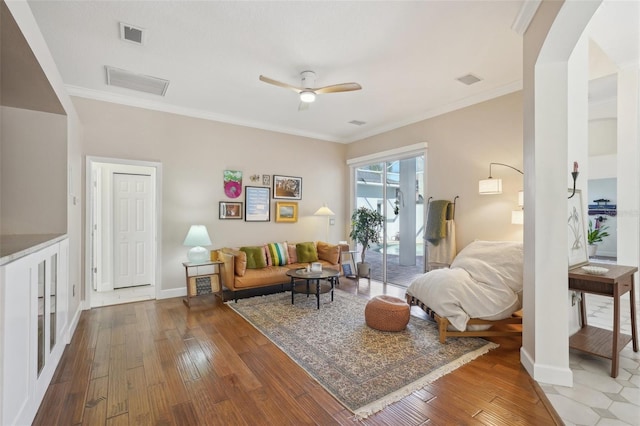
[546,373]
[172,292]
[74,323]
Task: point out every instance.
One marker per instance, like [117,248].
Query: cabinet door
[18,364]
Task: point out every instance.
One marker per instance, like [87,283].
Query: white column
[628,165]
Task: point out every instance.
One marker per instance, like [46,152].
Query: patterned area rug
[364,369]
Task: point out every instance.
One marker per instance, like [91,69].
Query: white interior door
[132,226]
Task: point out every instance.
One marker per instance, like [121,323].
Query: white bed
[482,288]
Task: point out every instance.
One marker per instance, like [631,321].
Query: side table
[202,279]
[617,281]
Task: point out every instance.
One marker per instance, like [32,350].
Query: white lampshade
[324,211]
[490,186]
[197,237]
[517,217]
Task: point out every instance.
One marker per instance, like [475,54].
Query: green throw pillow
[255,257]
[306,252]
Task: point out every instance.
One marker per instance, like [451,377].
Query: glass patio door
[395,188]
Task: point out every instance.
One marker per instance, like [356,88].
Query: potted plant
[366,225]
[595,236]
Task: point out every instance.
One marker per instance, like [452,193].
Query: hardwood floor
[156,362]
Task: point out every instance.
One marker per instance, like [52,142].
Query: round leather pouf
[387,313]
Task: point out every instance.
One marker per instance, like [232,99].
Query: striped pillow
[277,254]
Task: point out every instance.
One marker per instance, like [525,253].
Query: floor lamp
[325,211]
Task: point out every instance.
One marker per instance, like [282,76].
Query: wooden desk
[596,341]
[210,273]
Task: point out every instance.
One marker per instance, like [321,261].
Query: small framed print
[266,180]
[287,187]
[230,210]
[577,243]
[256,204]
[286,211]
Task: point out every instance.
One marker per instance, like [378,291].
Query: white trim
[158,219]
[73,324]
[120,99]
[454,106]
[391,154]
[172,292]
[527,11]
[206,115]
[546,373]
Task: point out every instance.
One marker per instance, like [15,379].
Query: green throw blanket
[437,221]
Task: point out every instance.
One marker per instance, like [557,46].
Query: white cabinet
[34,313]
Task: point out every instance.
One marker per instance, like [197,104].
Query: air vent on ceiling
[131,33]
[133,81]
[357,122]
[469,79]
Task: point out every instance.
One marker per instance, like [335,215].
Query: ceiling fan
[307,92]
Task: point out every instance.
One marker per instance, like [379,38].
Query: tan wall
[194,153]
[34,172]
[461,144]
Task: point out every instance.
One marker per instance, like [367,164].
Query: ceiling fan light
[307,96]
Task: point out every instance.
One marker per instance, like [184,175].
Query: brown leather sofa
[236,276]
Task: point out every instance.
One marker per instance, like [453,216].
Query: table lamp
[196,238]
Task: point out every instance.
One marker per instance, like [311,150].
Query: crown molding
[527,11]
[462,103]
[190,112]
[206,115]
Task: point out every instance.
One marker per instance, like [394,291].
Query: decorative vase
[364,269]
[591,250]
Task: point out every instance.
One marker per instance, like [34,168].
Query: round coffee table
[312,281]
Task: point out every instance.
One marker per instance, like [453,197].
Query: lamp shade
[197,237]
[517,217]
[324,211]
[490,186]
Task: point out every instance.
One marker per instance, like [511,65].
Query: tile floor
[596,398]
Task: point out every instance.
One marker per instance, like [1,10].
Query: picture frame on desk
[577,235]
[346,269]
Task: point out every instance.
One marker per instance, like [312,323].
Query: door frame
[89,220]
[395,154]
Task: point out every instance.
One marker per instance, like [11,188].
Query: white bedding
[484,281]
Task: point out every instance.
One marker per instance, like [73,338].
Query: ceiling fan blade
[303,106]
[279,83]
[343,87]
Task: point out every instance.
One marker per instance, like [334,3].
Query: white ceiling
[406,56]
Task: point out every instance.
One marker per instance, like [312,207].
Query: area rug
[364,369]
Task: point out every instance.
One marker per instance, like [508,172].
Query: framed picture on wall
[287,187]
[577,244]
[230,210]
[286,211]
[256,204]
